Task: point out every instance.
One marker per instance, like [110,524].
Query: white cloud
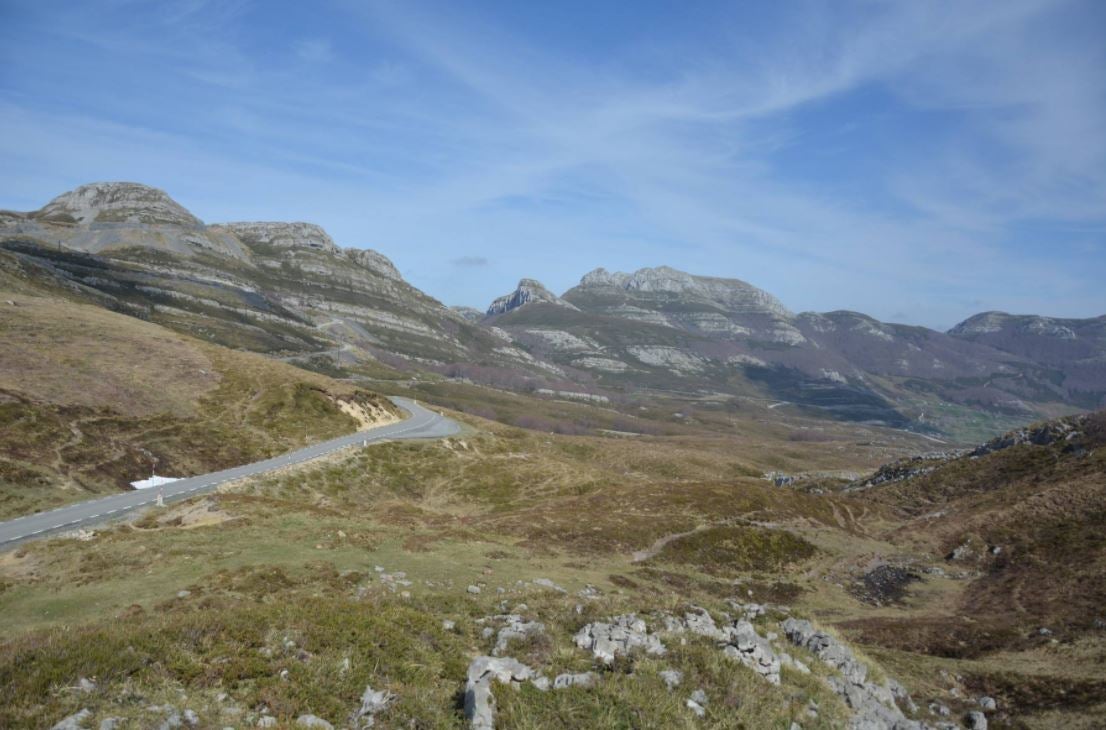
[446,133]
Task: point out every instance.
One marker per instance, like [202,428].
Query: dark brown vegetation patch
[738,549]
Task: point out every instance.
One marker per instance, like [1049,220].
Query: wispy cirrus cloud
[888,157]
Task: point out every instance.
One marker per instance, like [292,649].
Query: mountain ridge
[288,289]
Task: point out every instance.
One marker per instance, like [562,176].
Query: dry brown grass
[89,399]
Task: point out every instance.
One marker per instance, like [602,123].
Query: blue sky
[917,161]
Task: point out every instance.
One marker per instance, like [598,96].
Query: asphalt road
[421,424]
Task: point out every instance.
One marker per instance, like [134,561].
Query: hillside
[91,400]
[289,291]
[272,287]
[390,570]
[1024,514]
[668,330]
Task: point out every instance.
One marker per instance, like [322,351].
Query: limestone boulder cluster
[1043,434]
[753,650]
[512,627]
[618,637]
[873,705]
[738,640]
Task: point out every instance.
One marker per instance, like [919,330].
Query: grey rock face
[108,216]
[527,292]
[267,721]
[873,705]
[116,202]
[735,295]
[621,636]
[702,624]
[584,679]
[471,314]
[515,628]
[975,720]
[1039,435]
[753,650]
[283,235]
[479,700]
[76,721]
[313,721]
[374,260]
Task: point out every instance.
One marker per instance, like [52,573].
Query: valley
[655,481]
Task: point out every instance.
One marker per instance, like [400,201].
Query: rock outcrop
[753,650]
[528,291]
[733,295]
[479,700]
[873,705]
[373,702]
[116,202]
[282,235]
[115,216]
[738,640]
[622,635]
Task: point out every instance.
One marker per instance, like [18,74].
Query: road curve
[421,424]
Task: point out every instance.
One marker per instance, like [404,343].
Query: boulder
[373,702]
[672,678]
[515,629]
[873,705]
[479,700]
[753,650]
[313,721]
[975,720]
[622,635]
[76,721]
[584,679]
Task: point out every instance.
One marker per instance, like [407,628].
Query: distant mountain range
[288,290]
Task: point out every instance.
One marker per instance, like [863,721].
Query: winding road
[421,424]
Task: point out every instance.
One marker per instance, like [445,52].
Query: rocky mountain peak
[981,323]
[732,294]
[527,292]
[471,314]
[988,323]
[374,260]
[284,235]
[116,202]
